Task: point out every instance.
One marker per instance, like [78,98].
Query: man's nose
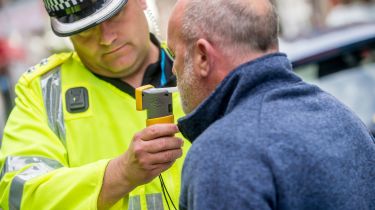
[108,33]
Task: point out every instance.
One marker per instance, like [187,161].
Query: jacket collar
[247,79]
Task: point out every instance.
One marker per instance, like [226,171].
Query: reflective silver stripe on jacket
[134,203]
[51,89]
[39,166]
[154,201]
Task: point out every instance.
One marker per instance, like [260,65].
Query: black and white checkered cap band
[61,5]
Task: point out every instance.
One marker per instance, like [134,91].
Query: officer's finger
[163,144]
[165,156]
[158,130]
[159,168]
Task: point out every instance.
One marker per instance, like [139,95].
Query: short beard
[187,84]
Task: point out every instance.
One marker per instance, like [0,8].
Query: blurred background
[330,43]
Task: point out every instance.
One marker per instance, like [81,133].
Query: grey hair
[234,25]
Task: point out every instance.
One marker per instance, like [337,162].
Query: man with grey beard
[262,138]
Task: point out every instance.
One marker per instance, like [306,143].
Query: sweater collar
[248,78]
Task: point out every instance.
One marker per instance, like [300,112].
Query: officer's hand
[152,151]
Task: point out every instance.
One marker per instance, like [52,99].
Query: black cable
[164,189]
[170,198]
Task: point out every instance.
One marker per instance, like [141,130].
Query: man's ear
[203,57]
[143,4]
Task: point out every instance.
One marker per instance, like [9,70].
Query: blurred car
[342,62]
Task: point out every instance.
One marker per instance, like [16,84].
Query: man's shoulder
[46,65]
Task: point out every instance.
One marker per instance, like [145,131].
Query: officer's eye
[88,32]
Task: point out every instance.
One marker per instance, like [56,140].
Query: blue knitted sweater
[267,140]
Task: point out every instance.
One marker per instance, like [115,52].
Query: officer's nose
[107,33]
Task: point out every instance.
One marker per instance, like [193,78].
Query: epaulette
[46,65]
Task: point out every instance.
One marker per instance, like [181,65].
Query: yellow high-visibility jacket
[54,156]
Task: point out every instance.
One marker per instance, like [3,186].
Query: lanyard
[163,78]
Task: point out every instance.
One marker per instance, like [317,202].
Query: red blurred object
[9,53]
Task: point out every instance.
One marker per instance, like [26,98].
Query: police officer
[74,139]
